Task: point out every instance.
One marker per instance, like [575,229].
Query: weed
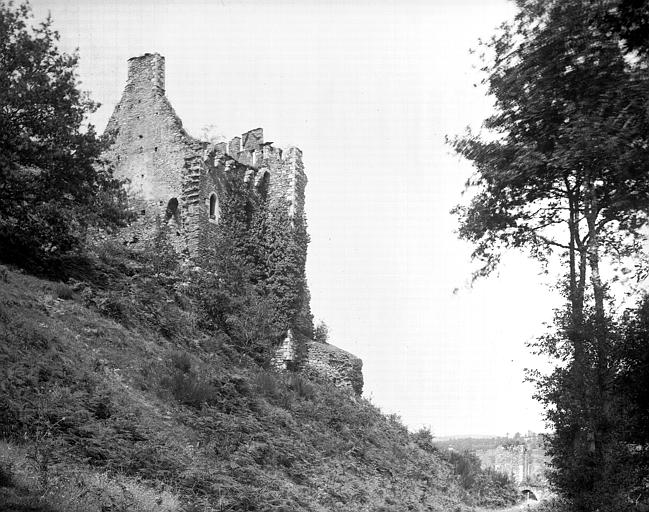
[181,361]
[63,291]
[4,315]
[6,475]
[266,384]
[173,322]
[301,386]
[189,389]
[4,275]
[117,307]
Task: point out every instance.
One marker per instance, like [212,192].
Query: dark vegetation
[132,382]
[565,174]
[488,487]
[53,184]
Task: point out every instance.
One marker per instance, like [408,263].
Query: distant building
[524,460]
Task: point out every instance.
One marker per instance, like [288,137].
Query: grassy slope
[101,415]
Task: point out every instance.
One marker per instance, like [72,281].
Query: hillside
[113,398]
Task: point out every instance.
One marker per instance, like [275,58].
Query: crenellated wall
[286,169]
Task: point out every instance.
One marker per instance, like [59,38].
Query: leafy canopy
[52,182]
[569,134]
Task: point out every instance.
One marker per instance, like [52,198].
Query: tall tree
[565,169]
[52,183]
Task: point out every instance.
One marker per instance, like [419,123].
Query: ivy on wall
[253,285]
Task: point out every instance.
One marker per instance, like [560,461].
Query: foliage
[630,19]
[566,169]
[252,286]
[321,332]
[424,439]
[52,182]
[82,393]
[63,291]
[586,474]
[487,487]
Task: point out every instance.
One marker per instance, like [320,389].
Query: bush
[301,386]
[190,389]
[424,439]
[321,333]
[488,488]
[114,305]
[181,361]
[266,384]
[6,475]
[63,291]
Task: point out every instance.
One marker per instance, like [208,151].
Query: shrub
[190,389]
[321,333]
[114,305]
[424,439]
[63,291]
[181,361]
[6,475]
[301,386]
[266,383]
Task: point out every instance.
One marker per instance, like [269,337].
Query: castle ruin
[176,182]
[179,180]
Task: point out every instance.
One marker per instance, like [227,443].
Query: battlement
[147,70]
[250,149]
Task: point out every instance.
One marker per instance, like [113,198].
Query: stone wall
[154,153]
[335,365]
[165,166]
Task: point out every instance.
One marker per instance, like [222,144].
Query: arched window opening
[214,207]
[172,210]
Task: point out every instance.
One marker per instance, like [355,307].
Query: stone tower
[178,181]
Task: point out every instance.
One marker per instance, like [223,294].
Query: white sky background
[367,90]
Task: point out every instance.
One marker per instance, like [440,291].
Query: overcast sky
[367,90]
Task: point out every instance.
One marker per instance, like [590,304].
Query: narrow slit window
[172,210]
[213,207]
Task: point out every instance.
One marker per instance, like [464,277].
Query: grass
[99,402]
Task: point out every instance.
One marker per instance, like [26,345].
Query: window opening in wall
[172,210]
[213,206]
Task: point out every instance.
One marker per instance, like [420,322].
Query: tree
[565,170]
[53,184]
[630,20]
[321,332]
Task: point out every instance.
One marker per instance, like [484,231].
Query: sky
[368,91]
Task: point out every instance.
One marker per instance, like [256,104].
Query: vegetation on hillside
[564,172]
[133,382]
[119,401]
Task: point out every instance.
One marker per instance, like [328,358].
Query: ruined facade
[176,182]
